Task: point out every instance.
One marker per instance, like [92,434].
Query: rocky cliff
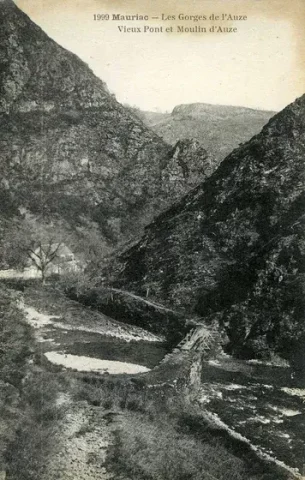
[69,150]
[220,128]
[233,250]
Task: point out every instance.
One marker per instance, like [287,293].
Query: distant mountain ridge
[199,109]
[232,250]
[68,150]
[220,128]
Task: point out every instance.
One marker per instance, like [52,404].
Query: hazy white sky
[262,65]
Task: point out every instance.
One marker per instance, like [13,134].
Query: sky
[262,65]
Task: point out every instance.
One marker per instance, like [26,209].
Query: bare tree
[43,256]
[28,240]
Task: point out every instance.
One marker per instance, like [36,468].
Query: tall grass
[155,450]
[35,438]
[27,397]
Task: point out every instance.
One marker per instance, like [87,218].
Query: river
[259,402]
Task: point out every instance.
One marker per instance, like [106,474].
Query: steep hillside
[220,128]
[233,249]
[69,150]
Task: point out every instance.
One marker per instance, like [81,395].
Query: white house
[64,261]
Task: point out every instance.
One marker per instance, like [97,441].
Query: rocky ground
[81,444]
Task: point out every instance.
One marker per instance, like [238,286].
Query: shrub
[107,404]
[135,406]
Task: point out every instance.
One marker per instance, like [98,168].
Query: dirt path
[81,444]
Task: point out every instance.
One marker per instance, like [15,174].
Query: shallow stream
[261,403]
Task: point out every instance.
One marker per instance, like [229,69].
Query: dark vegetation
[133,310]
[15,350]
[34,438]
[27,401]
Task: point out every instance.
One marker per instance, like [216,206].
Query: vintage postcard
[152,248]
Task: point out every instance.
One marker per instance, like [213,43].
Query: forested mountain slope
[232,250]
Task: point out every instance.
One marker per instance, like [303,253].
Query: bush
[107,404]
[135,406]
[15,341]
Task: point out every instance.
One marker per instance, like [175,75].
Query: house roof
[62,253]
[61,249]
